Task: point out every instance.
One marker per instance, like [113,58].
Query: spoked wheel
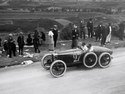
[58,68]
[90,60]
[104,60]
[46,61]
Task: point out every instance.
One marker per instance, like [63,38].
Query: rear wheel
[104,60]
[58,68]
[90,59]
[46,61]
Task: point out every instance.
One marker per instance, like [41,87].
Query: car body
[58,62]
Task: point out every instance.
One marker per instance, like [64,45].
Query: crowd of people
[102,33]
[9,44]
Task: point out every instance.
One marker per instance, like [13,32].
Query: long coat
[20,41]
[75,35]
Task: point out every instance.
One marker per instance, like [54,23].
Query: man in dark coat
[55,36]
[82,29]
[75,35]
[0,42]
[11,46]
[121,30]
[104,35]
[98,32]
[36,44]
[90,28]
[21,43]
[36,41]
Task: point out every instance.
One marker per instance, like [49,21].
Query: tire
[58,68]
[46,61]
[90,60]
[104,60]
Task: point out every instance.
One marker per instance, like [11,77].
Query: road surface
[33,79]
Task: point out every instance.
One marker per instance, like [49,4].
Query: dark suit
[55,36]
[90,28]
[20,41]
[98,32]
[75,35]
[82,30]
[11,47]
[36,44]
[104,35]
[121,31]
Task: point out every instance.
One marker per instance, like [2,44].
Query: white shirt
[50,33]
[91,49]
[84,48]
[110,28]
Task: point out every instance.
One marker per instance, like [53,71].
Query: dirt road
[33,79]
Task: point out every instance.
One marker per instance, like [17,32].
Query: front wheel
[58,68]
[46,61]
[104,60]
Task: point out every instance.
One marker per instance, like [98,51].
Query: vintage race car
[57,62]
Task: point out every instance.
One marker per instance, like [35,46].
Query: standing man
[36,42]
[90,28]
[109,31]
[75,35]
[0,42]
[98,32]
[121,30]
[55,36]
[82,29]
[11,46]
[104,35]
[21,43]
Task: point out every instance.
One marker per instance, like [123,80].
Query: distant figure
[98,32]
[121,30]
[75,35]
[90,28]
[11,46]
[104,35]
[36,34]
[82,30]
[109,32]
[43,36]
[29,40]
[36,44]
[0,42]
[21,43]
[5,47]
[51,41]
[55,32]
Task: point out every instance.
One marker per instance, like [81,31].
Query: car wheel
[104,60]
[90,59]
[46,61]
[58,68]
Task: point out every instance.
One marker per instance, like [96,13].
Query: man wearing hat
[55,36]
[75,35]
